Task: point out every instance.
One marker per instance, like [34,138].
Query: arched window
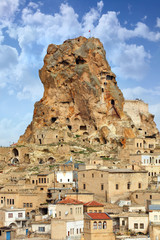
[99,225]
[95,225]
[104,225]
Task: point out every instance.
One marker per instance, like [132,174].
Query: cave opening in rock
[112,102]
[80,60]
[108,77]
[69,127]
[15,152]
[83,127]
[53,119]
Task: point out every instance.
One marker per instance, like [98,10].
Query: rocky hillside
[81,100]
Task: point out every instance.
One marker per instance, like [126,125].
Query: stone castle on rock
[82,108]
[81,97]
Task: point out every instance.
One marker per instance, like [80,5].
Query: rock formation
[81,100]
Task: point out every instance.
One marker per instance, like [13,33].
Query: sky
[129,31]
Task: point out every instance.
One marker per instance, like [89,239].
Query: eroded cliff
[81,100]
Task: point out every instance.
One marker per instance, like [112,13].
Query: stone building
[148,161]
[98,226]
[112,184]
[69,220]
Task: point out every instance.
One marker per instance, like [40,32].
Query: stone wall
[134,108]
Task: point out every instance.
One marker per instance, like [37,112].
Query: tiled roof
[93,204]
[70,201]
[98,216]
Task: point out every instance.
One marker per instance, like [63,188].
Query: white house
[65,176]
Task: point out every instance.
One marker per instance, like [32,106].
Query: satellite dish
[66,213]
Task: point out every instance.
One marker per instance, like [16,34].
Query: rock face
[81,98]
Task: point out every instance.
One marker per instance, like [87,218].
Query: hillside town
[88,165]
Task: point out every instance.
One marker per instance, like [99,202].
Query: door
[8,235]
[26,232]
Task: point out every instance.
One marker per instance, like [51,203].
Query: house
[14,218]
[68,221]
[93,207]
[112,184]
[149,161]
[154,213]
[7,233]
[41,228]
[133,222]
[98,226]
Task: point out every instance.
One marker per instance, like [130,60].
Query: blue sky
[129,30]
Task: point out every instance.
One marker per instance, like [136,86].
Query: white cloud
[130,61]
[39,29]
[154,109]
[100,6]
[158,22]
[139,92]
[11,129]
[8,8]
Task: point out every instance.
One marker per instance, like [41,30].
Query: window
[95,225]
[92,175]
[10,215]
[150,196]
[7,201]
[41,229]
[90,211]
[104,225]
[100,211]
[84,186]
[155,217]
[71,210]
[39,180]
[102,187]
[60,180]
[27,204]
[137,144]
[59,213]
[116,186]
[77,230]
[83,175]
[123,222]
[101,175]
[44,180]
[128,185]
[32,181]
[20,215]
[136,195]
[99,225]
[24,205]
[68,180]
[141,225]
[139,185]
[41,188]
[135,225]
[31,205]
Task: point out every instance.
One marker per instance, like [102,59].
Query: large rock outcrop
[81,98]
